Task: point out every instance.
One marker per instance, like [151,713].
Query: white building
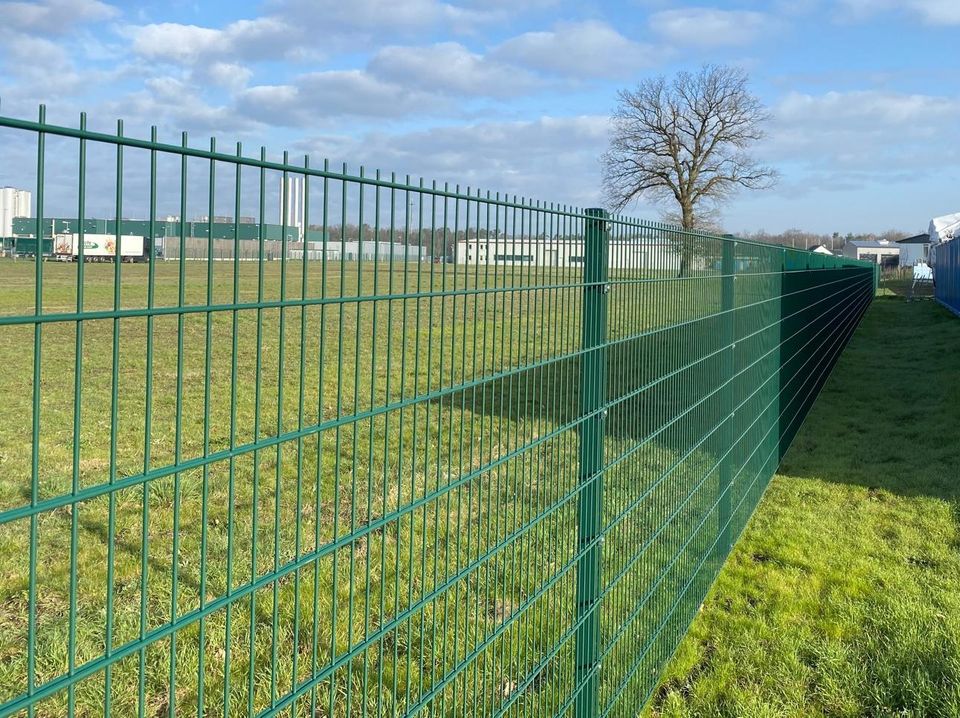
[13,203]
[914,250]
[292,203]
[354,250]
[819,249]
[507,251]
[878,251]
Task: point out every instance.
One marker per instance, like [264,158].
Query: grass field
[418,548]
[446,525]
[843,596]
[193,536]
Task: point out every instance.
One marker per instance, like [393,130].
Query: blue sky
[514,95]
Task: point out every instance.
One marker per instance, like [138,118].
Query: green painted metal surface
[26,245]
[381,487]
[593,381]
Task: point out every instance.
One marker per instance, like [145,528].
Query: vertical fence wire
[388,449]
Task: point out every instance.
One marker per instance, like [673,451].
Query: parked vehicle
[102,248]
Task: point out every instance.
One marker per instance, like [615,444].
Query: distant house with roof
[819,249]
[914,250]
[878,251]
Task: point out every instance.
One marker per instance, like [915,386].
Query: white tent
[945,228]
[942,229]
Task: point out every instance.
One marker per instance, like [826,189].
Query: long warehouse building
[228,237]
[506,251]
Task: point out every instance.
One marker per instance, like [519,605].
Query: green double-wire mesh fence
[343,476]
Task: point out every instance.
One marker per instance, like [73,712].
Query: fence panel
[265,483]
[947,275]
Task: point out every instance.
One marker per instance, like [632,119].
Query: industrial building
[293,203]
[13,203]
[878,251]
[242,239]
[354,250]
[171,227]
[914,250]
[166,233]
[507,251]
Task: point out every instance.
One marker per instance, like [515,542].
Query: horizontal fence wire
[298,441]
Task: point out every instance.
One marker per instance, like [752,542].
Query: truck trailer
[102,248]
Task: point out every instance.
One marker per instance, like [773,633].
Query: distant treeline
[834,242]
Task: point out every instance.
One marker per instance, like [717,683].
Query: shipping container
[27,246]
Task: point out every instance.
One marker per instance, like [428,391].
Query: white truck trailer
[101,247]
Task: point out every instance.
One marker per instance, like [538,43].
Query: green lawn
[181,541]
[446,526]
[842,598]
[476,490]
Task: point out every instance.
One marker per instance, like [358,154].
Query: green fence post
[593,380]
[728,271]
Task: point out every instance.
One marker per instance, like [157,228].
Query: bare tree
[684,143]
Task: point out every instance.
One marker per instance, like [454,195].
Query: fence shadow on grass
[675,385]
[645,384]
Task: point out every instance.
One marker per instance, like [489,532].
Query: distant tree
[684,143]
[893,235]
[707,219]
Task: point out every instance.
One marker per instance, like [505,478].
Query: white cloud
[41,69]
[45,51]
[550,158]
[380,15]
[174,103]
[449,67]
[229,75]
[422,80]
[188,44]
[353,92]
[938,12]
[270,94]
[932,12]
[577,49]
[866,109]
[319,96]
[864,135]
[304,29]
[53,16]
[512,5]
[398,80]
[173,41]
[709,27]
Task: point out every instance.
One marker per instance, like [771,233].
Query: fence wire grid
[287,483]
